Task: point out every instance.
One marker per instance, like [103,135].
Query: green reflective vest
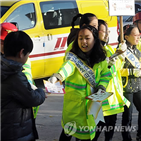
[139,45]
[115,103]
[75,106]
[27,72]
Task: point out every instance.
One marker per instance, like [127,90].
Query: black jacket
[17,100]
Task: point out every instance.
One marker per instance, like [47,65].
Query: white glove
[100,91]
[112,61]
[122,46]
[33,86]
[52,79]
[107,59]
[137,72]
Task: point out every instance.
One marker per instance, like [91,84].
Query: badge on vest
[133,59]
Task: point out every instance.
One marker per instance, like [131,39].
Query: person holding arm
[85,71]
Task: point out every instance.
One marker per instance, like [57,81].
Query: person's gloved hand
[112,61]
[33,86]
[107,59]
[122,46]
[137,72]
[100,91]
[52,79]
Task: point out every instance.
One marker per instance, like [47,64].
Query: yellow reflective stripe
[66,69]
[104,80]
[105,102]
[115,106]
[28,74]
[113,69]
[106,74]
[65,72]
[26,66]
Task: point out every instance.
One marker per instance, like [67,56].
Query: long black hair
[84,19]
[97,55]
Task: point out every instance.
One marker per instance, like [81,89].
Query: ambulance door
[25,14]
[57,17]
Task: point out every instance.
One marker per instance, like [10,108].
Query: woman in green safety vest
[85,71]
[114,104]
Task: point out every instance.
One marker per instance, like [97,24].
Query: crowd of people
[87,69]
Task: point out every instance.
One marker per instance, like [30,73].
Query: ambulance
[47,22]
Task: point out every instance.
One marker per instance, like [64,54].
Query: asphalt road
[48,120]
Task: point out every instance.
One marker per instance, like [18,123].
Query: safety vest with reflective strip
[27,72]
[139,45]
[115,103]
[75,107]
